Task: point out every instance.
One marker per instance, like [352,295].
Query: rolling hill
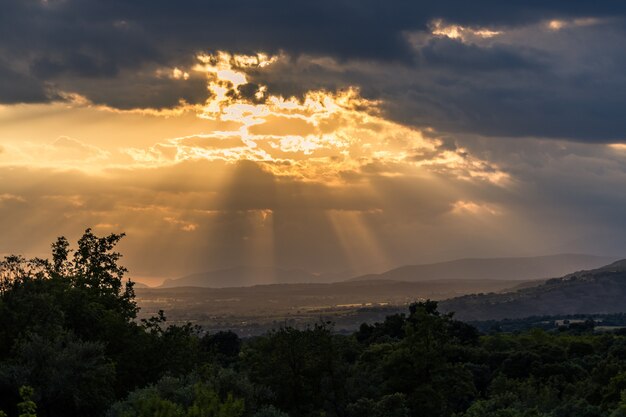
[522,268]
[601,290]
[333,294]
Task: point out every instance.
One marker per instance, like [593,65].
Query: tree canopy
[71,345]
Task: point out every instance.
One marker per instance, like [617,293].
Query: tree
[270,411]
[60,314]
[95,266]
[27,407]
[69,377]
[176,397]
[303,368]
[224,344]
[393,405]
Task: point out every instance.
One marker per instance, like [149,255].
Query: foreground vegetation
[70,345]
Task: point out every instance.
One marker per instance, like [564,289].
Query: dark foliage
[70,345]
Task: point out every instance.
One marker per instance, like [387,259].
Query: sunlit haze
[473,138]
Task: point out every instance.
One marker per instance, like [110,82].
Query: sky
[327,135]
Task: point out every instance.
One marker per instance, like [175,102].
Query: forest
[71,345]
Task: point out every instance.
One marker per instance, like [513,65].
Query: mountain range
[520,268]
[596,291]
[243,277]
[256,308]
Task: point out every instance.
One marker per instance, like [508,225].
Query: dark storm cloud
[567,84]
[346,28]
[17,87]
[450,53]
[527,81]
[138,89]
[109,51]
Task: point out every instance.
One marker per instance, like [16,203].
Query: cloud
[117,35]
[11,197]
[74,148]
[449,53]
[17,87]
[61,152]
[318,135]
[183,225]
[132,88]
[212,142]
[526,81]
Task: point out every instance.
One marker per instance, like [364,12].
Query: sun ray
[358,240]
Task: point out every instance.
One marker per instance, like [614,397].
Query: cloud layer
[547,69]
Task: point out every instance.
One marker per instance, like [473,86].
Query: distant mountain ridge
[526,268]
[520,268]
[267,300]
[601,290]
[242,277]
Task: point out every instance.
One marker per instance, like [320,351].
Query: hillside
[256,309]
[267,298]
[520,268]
[601,290]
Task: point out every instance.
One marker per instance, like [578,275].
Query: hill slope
[526,268]
[601,290]
[266,299]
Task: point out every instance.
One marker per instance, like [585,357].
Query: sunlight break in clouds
[315,136]
[441,28]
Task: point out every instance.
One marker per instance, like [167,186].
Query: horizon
[347,275]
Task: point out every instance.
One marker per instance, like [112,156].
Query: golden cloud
[317,136]
[440,28]
[61,152]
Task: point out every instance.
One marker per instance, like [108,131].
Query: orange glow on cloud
[316,136]
[440,28]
